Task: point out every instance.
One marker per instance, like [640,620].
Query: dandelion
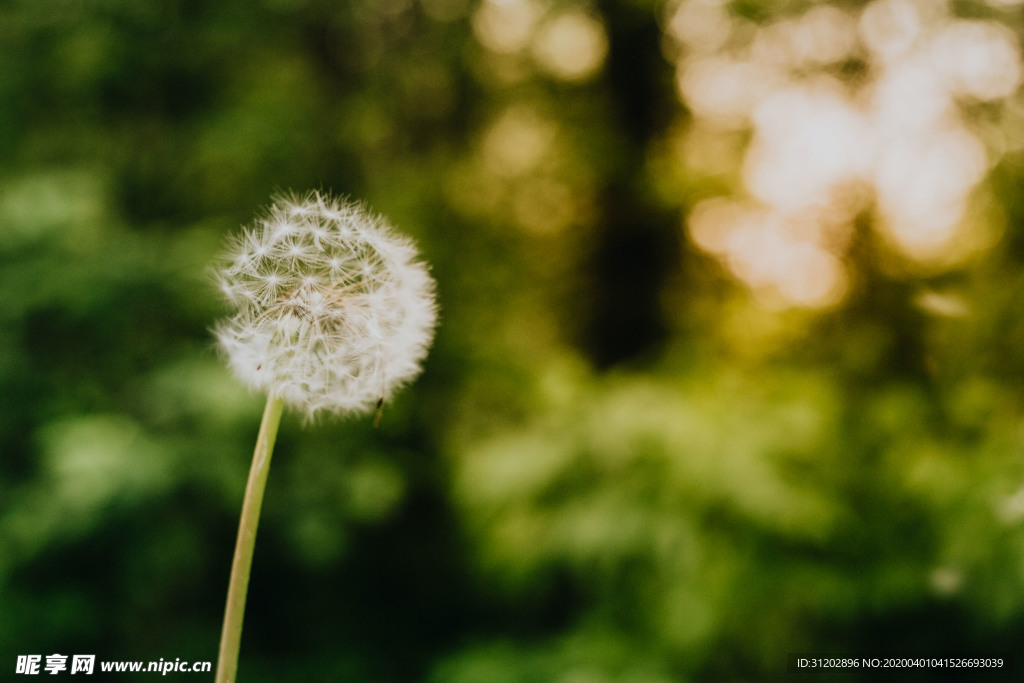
[334,313]
[334,309]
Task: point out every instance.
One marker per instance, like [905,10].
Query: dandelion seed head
[334,309]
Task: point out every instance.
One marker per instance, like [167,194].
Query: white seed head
[335,311]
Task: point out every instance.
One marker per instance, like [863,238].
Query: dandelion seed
[335,309]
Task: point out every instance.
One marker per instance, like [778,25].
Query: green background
[619,463]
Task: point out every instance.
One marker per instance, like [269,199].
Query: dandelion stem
[234,612]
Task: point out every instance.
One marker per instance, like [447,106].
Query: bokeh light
[571,45]
[506,26]
[897,140]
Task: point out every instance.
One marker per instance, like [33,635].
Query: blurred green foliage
[619,465]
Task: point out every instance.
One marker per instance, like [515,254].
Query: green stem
[231,635]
